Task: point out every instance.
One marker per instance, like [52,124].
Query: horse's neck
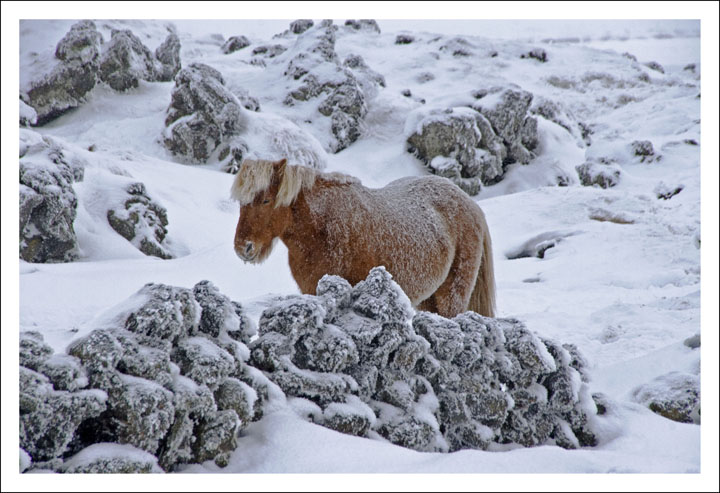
[313,209]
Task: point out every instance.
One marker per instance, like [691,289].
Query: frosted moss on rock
[425,382]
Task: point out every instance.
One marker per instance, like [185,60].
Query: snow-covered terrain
[620,276]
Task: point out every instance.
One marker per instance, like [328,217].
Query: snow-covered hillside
[613,268]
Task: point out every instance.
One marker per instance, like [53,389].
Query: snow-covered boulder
[48,203]
[28,115]
[111,458]
[202,113]
[126,60]
[404,39]
[674,395]
[301,25]
[65,86]
[33,350]
[235,43]
[369,25]
[269,51]
[346,87]
[421,381]
[604,173]
[644,150]
[559,114]
[50,418]
[141,221]
[167,385]
[473,145]
[168,54]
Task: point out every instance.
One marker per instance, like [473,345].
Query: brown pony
[427,233]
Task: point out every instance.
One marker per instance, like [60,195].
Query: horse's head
[264,215]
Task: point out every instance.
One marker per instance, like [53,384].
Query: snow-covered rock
[111,458]
[151,387]
[346,87]
[48,203]
[49,418]
[202,114]
[474,145]
[674,395]
[301,25]
[66,85]
[141,221]
[126,60]
[605,173]
[479,380]
[168,54]
[235,43]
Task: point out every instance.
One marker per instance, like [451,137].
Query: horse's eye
[266,201]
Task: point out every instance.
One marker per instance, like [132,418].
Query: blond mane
[256,176]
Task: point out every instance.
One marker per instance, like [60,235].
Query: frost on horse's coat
[427,233]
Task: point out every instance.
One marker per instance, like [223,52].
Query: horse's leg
[428,305]
[453,295]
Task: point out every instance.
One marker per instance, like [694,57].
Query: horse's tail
[482,299]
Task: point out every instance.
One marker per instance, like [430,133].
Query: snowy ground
[623,285]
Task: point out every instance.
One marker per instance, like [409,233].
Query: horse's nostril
[248,248]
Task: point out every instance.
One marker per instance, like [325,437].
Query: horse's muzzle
[247,252]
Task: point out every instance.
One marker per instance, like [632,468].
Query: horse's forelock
[256,176]
[295,179]
[253,177]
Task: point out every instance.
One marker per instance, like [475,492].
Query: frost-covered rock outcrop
[674,395]
[83,60]
[168,54]
[173,375]
[125,61]
[202,113]
[65,86]
[604,173]
[346,88]
[473,145]
[367,362]
[167,382]
[235,43]
[48,203]
[141,221]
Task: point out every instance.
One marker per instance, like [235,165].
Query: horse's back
[416,194]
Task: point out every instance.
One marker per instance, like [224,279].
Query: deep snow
[623,283]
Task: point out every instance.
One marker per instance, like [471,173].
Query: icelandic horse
[428,233]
